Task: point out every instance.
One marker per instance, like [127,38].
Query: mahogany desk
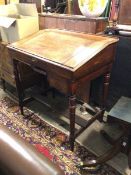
[67,59]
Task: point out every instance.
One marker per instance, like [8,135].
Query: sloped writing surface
[63,47]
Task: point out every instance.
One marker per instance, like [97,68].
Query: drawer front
[40,65]
[27,59]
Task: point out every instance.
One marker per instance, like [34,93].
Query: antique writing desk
[67,59]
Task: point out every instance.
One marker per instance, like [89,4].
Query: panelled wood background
[72,22]
[124,16]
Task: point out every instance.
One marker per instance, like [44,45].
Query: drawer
[27,59]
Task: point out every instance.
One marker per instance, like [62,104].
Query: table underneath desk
[67,60]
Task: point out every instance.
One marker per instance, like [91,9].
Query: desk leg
[72,108]
[105,88]
[18,86]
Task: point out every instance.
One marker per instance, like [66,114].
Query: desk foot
[72,107]
[71,140]
[21,110]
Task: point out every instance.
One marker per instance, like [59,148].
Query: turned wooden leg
[105,88]
[72,107]
[18,86]
[105,93]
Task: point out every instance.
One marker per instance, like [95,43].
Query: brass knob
[33,60]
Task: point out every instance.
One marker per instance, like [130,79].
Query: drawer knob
[33,60]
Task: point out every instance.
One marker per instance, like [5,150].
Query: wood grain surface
[69,49]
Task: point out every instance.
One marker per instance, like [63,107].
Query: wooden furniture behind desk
[7,73]
[77,23]
[124,16]
[67,59]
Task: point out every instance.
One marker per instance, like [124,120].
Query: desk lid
[64,48]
